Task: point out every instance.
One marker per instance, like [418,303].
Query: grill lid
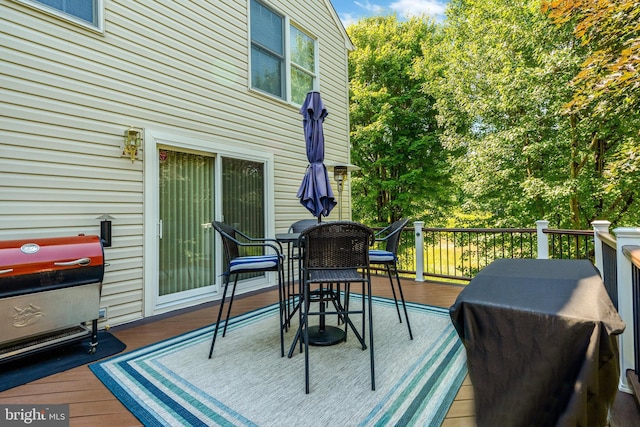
[36,265]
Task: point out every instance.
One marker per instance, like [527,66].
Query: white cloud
[348,19]
[375,9]
[407,8]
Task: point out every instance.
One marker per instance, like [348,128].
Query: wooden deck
[91,404]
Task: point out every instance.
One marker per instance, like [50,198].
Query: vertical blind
[186,201]
[243,198]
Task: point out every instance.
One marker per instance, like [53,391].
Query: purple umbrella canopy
[315,192]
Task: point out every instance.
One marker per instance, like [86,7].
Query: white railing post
[543,240]
[599,226]
[625,237]
[419,251]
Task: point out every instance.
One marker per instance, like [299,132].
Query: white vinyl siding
[69,94]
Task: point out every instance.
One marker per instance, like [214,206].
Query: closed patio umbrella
[315,192]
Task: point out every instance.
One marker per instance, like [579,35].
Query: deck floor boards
[91,404]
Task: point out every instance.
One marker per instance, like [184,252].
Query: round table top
[287,237]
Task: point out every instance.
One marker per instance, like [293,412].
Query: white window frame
[287,23]
[95,26]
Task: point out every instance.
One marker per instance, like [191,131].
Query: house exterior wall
[170,67]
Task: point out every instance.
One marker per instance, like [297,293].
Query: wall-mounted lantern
[105,230]
[132,143]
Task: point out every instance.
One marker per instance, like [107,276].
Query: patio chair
[295,254]
[301,225]
[335,253]
[388,258]
[237,247]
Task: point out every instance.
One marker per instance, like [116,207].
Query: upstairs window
[84,12]
[283,57]
[267,51]
[303,65]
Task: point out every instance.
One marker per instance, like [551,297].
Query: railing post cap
[542,222]
[600,222]
[418,222]
[628,232]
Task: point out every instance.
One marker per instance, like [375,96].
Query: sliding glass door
[187,191]
[243,198]
[243,195]
[186,195]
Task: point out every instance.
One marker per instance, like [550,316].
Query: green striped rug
[247,383]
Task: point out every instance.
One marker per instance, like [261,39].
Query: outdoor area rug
[247,383]
[52,361]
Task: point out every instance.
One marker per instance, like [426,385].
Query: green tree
[610,76]
[607,88]
[394,133]
[501,87]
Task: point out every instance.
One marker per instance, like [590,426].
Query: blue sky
[350,11]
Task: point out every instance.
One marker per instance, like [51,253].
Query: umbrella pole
[340,200]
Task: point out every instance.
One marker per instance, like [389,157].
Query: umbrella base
[329,335]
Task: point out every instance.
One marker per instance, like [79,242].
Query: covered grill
[49,290]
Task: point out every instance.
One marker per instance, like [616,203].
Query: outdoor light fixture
[105,230]
[340,172]
[132,143]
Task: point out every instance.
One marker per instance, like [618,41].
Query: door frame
[219,149]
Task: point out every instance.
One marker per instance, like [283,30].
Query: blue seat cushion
[254,263]
[378,256]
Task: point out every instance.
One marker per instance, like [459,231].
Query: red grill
[49,290]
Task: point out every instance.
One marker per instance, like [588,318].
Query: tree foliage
[394,133]
[607,88]
[500,83]
[513,110]
[609,79]
[503,81]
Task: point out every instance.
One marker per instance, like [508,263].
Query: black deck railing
[635,286]
[459,253]
[609,266]
[570,244]
[636,315]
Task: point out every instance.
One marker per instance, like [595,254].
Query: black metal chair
[301,225]
[335,253]
[239,261]
[295,255]
[388,258]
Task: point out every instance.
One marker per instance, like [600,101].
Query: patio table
[541,343]
[289,239]
[322,334]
